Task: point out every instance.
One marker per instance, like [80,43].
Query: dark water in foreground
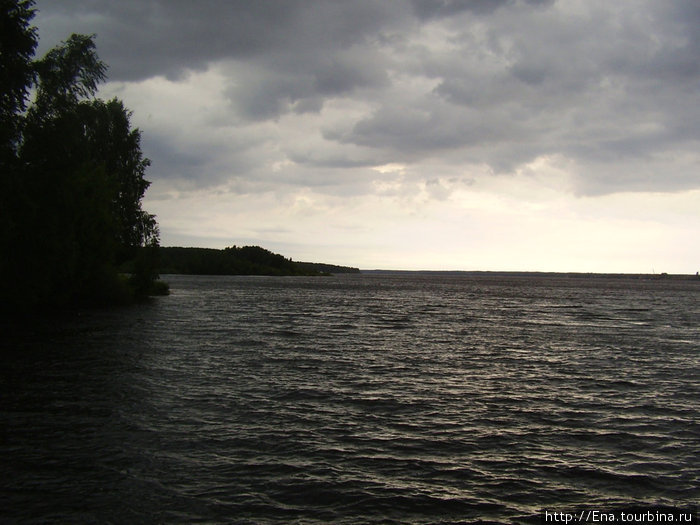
[356,399]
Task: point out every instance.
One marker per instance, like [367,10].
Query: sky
[523,135]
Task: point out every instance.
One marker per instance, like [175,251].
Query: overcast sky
[553,135]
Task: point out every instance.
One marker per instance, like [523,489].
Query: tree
[117,148]
[17,44]
[73,174]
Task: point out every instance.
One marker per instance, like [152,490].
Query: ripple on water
[373,399]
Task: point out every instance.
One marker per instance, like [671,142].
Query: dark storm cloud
[291,54]
[172,162]
[141,38]
[605,84]
[427,9]
[603,88]
[266,90]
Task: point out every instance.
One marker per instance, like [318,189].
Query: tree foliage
[245,260]
[72,174]
[17,44]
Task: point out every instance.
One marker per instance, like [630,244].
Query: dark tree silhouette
[17,44]
[73,176]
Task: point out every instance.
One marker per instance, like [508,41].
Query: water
[355,399]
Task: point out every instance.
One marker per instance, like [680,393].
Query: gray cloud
[267,90]
[601,87]
[612,86]
[164,37]
[427,9]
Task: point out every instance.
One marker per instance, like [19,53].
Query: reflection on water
[355,399]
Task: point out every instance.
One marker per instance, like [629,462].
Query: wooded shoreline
[245,260]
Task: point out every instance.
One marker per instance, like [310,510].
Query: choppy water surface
[356,399]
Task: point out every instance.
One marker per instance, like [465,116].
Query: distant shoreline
[571,275]
[255,260]
[243,260]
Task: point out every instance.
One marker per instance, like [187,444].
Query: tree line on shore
[245,260]
[72,177]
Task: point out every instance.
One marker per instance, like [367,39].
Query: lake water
[356,399]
